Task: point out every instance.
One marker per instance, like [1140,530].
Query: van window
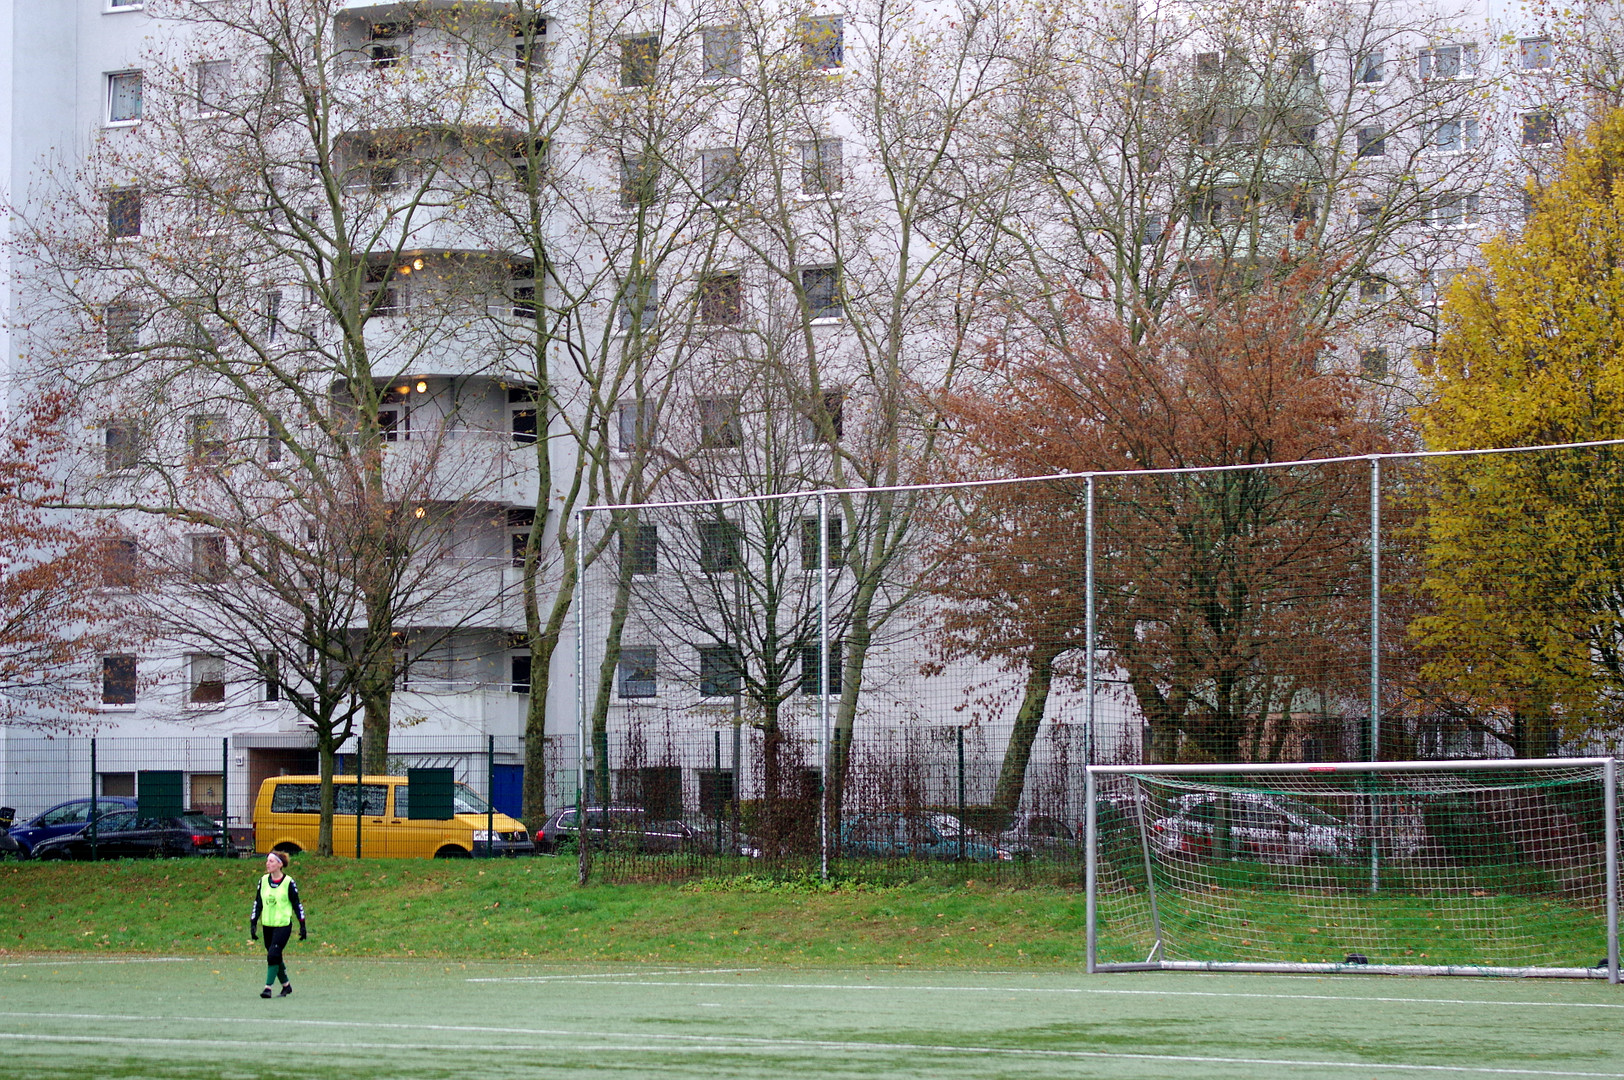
[306,799]
[466,800]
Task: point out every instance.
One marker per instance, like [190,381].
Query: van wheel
[291,849]
[451,851]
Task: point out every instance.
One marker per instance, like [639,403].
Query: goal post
[1503,867]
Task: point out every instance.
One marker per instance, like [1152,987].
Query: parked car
[64,818]
[915,836]
[619,828]
[124,835]
[1039,836]
[9,848]
[1268,827]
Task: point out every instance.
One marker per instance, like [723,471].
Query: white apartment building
[745,230]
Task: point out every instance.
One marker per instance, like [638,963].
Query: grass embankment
[532,909]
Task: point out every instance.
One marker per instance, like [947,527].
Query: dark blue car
[907,836]
[63,818]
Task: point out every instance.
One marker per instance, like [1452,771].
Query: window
[522,413]
[809,543]
[821,42]
[1538,128]
[1371,67]
[121,322]
[1448,61]
[722,52]
[212,79]
[207,437]
[1152,227]
[394,415]
[812,668]
[124,97]
[380,170]
[1455,135]
[821,166]
[820,291]
[634,426]
[640,302]
[122,445]
[721,674]
[639,60]
[1372,142]
[209,558]
[720,177]
[1372,289]
[721,299]
[719,543]
[520,520]
[529,42]
[637,673]
[641,548]
[118,680]
[124,5]
[1453,211]
[1370,213]
[273,313]
[825,421]
[270,667]
[120,562]
[639,179]
[719,426]
[206,679]
[519,673]
[1373,363]
[1208,63]
[384,294]
[1535,53]
[124,212]
[273,440]
[528,159]
[522,290]
[388,44]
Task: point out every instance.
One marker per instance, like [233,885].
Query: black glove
[253,934]
[301,932]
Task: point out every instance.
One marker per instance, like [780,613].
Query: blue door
[507,789]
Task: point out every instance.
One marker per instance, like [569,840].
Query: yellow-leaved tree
[1524,567]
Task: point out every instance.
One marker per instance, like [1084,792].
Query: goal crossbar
[1145,880]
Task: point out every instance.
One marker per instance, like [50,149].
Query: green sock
[282,973]
[270,973]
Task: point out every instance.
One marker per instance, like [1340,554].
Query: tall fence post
[225,790]
[824,683]
[961,792]
[490,795]
[1375,607]
[358,793]
[93,798]
[581,864]
[1088,619]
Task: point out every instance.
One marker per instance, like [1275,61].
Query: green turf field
[173,1019]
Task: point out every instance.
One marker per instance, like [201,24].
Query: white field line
[665,1044]
[890,988]
[611,975]
[123,960]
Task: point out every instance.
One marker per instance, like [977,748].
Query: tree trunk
[1012,776]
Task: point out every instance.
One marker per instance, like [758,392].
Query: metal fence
[824,652]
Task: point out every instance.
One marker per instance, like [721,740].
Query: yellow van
[287,817]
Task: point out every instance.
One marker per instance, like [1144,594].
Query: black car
[123,835]
[617,827]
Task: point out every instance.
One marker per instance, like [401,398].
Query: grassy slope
[531,908]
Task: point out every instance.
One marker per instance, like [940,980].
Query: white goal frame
[1608,767]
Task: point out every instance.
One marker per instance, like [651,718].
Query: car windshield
[469,801]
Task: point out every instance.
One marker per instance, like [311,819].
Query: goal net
[1465,868]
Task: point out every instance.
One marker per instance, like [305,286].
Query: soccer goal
[1416,867]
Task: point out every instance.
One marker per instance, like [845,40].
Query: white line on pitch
[123,960]
[1131,993]
[607,975]
[712,1044]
